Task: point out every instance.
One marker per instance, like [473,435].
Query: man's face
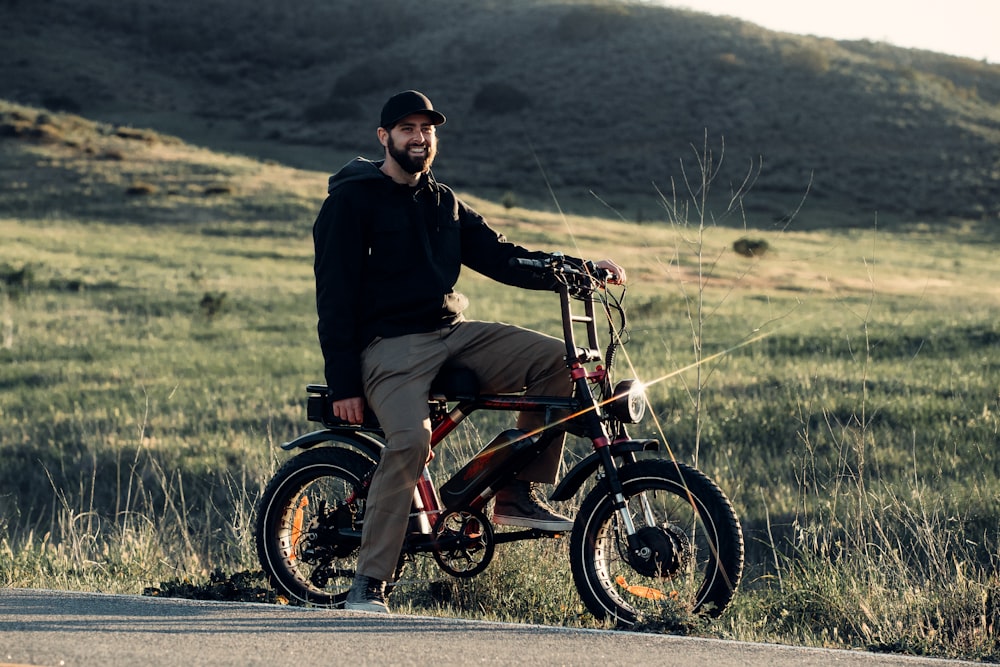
[413,143]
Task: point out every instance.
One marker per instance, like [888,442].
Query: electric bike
[649,530]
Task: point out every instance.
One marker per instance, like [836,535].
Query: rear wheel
[690,545]
[308,526]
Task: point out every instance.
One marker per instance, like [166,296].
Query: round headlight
[628,403]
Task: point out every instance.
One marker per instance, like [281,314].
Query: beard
[413,164]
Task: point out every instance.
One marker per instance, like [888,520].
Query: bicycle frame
[584,412]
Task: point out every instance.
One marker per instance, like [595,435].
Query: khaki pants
[397,373]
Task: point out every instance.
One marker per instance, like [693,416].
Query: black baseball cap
[405,103]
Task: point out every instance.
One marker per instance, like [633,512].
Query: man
[390,242]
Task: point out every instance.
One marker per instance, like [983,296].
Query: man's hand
[618,277]
[351,410]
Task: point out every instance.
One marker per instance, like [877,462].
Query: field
[841,387]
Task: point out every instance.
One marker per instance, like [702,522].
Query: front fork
[617,493]
[602,445]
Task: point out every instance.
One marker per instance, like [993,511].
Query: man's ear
[383,136]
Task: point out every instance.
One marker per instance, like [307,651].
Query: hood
[358,169]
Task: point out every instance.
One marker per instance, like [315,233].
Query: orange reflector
[641,591]
[297,525]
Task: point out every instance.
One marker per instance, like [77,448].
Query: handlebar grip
[599,274]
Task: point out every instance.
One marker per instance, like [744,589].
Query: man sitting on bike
[390,241]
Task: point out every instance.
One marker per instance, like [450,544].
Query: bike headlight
[628,403]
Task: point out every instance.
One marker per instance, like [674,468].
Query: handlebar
[581,279]
[574,272]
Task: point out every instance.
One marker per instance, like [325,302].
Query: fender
[368,443]
[574,479]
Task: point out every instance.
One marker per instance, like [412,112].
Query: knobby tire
[299,548]
[695,536]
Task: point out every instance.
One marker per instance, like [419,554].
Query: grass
[846,399]
[138,429]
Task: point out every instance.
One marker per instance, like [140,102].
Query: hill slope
[595,97]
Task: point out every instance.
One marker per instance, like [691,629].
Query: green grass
[846,400]
[138,428]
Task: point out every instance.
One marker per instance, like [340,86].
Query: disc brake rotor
[663,552]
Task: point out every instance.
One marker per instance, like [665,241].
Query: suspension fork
[602,445]
[617,493]
[647,508]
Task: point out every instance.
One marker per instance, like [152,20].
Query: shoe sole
[525,522]
[371,607]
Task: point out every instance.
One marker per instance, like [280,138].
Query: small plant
[807,58]
[16,278]
[750,247]
[113,155]
[135,134]
[219,189]
[141,189]
[245,586]
[211,304]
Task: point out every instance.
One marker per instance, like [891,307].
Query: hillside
[600,100]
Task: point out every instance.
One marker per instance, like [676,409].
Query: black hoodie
[387,260]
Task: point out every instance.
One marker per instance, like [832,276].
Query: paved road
[56,628]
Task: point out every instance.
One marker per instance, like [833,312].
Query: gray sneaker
[366,594]
[518,504]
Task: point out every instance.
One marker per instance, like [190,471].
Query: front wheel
[309,521]
[687,549]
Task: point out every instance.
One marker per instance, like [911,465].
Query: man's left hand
[617,272]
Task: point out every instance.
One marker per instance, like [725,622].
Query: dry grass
[149,370]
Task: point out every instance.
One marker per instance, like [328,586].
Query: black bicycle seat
[453,383]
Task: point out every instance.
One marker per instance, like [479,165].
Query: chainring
[463,542]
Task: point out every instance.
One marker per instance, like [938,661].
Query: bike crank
[463,543]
